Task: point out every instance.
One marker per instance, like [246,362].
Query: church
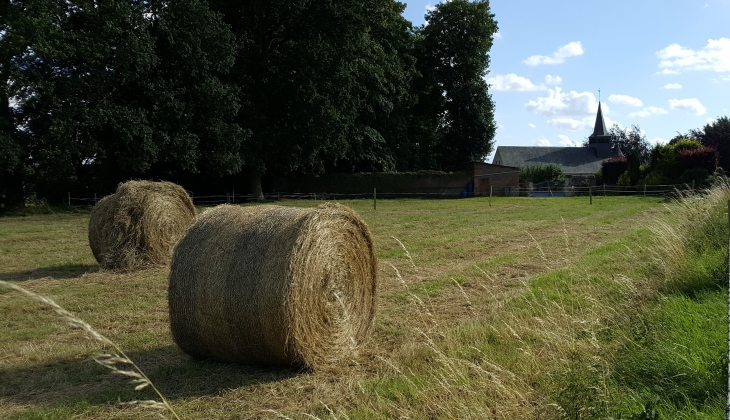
[578,163]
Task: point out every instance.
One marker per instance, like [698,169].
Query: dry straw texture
[274,285]
[138,226]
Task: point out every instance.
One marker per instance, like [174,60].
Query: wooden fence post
[69,199]
[375,199]
[490,196]
[590,194]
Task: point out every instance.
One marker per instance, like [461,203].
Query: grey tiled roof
[574,160]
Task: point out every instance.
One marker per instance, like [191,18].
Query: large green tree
[318,82]
[631,141]
[122,89]
[454,59]
[378,139]
[12,164]
[717,134]
[193,111]
[81,83]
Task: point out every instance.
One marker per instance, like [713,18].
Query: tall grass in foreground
[676,358]
[583,340]
[110,361]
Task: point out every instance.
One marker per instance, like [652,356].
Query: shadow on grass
[59,272]
[83,382]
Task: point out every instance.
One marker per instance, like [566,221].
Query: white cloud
[658,140]
[710,121]
[553,80]
[542,142]
[715,56]
[532,125]
[692,105]
[625,100]
[648,111]
[568,123]
[672,86]
[566,141]
[584,124]
[571,49]
[558,103]
[498,35]
[512,82]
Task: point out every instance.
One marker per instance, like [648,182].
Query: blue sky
[661,64]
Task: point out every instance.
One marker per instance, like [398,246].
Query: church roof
[574,160]
[599,129]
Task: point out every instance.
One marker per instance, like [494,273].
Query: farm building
[485,176]
[578,163]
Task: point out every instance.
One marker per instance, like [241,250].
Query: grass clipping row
[138,225]
[272,285]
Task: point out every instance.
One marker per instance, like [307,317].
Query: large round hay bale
[272,285]
[139,224]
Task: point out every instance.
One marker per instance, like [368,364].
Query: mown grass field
[531,308]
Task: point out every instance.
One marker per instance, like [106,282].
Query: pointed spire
[600,133]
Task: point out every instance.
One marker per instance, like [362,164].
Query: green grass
[531,308]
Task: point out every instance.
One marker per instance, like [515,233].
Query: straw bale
[138,225]
[273,285]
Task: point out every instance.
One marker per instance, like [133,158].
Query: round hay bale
[139,224]
[272,285]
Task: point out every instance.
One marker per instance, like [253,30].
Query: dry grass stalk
[109,361]
[456,384]
[139,224]
[687,216]
[274,285]
[408,254]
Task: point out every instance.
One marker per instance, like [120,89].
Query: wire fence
[540,191]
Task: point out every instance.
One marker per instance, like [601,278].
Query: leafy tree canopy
[717,134]
[118,89]
[631,141]
[312,74]
[453,59]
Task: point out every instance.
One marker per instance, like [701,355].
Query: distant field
[519,310]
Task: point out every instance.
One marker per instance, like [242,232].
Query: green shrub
[613,168]
[624,179]
[665,160]
[542,173]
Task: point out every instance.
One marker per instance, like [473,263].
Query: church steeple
[600,134]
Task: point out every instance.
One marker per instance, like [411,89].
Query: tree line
[694,157]
[200,91]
